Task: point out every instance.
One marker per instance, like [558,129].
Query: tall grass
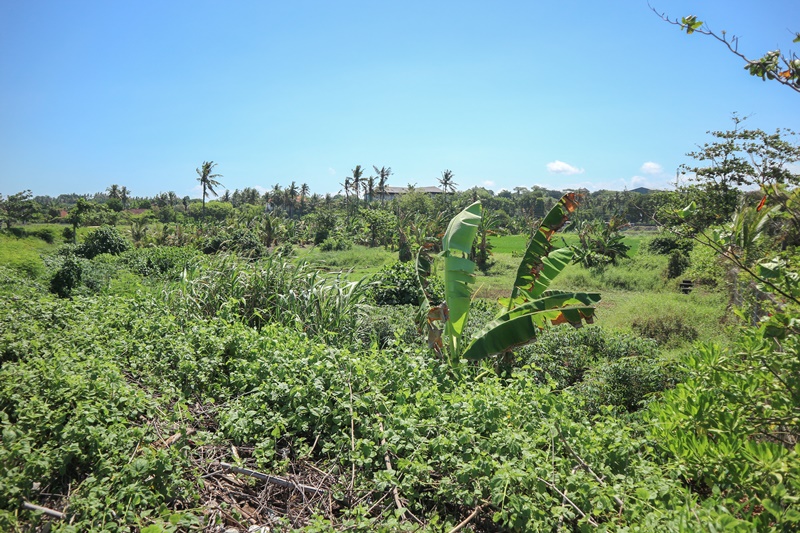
[358,258]
[324,305]
[24,254]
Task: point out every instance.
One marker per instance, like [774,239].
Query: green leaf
[688,211]
[523,323]
[459,272]
[691,24]
[541,263]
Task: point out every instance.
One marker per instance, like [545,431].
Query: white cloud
[560,167]
[331,171]
[652,168]
[638,181]
[488,183]
[260,189]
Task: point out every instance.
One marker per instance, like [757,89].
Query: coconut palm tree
[446,181]
[346,185]
[383,177]
[369,190]
[277,195]
[304,190]
[357,173]
[113,191]
[291,197]
[208,181]
[124,196]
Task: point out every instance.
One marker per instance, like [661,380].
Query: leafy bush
[273,290]
[600,243]
[161,261]
[628,382]
[243,241]
[706,268]
[67,277]
[392,325]
[668,328]
[104,240]
[732,428]
[397,284]
[564,355]
[676,264]
[336,243]
[666,243]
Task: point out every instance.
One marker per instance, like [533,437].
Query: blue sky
[503,93]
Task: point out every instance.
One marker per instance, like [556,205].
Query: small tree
[78,214]
[18,207]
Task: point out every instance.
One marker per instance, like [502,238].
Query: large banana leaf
[523,323]
[541,263]
[459,272]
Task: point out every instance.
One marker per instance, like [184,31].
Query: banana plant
[529,309]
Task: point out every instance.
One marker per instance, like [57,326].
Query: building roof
[403,190]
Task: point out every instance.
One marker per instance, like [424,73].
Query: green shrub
[46,234]
[397,284]
[67,277]
[732,428]
[677,264]
[564,355]
[392,325]
[666,243]
[68,233]
[160,261]
[706,268]
[628,383]
[243,241]
[666,329]
[104,240]
[336,243]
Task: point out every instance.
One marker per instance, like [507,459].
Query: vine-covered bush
[397,284]
[678,262]
[104,240]
[160,261]
[67,277]
[336,243]
[240,240]
[564,354]
[666,243]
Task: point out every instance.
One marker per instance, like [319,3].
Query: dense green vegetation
[142,352]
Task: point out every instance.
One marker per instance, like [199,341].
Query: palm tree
[446,181]
[369,191]
[124,195]
[113,191]
[304,190]
[383,177]
[347,185]
[357,173]
[208,181]
[291,197]
[277,194]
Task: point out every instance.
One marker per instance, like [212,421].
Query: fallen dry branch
[45,510]
[276,480]
[467,520]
